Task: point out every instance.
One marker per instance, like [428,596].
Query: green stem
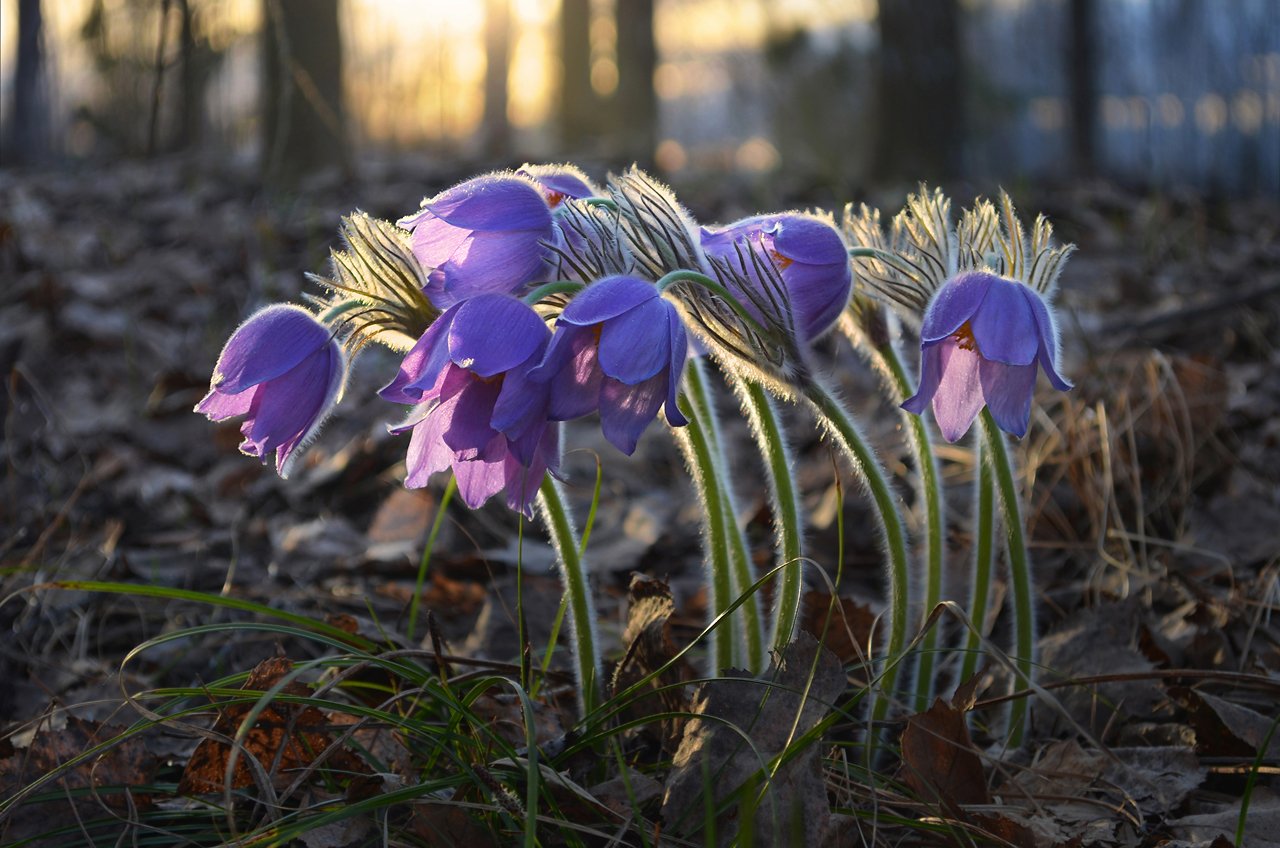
[555,513]
[548,289]
[684,276]
[931,490]
[784,502]
[1024,626]
[741,573]
[984,546]
[698,456]
[841,426]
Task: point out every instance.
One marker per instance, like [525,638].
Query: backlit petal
[607,298]
[625,411]
[959,396]
[270,343]
[1047,351]
[1008,390]
[493,202]
[494,333]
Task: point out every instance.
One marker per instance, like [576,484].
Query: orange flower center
[964,337]
[783,262]
[555,198]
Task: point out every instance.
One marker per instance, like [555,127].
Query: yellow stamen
[964,337]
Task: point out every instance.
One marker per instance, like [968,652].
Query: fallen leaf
[284,739]
[740,725]
[939,761]
[844,627]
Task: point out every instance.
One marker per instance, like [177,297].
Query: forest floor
[1152,493]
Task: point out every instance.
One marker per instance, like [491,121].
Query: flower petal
[930,375]
[625,411]
[219,405]
[607,298]
[818,295]
[421,366]
[574,384]
[953,304]
[481,479]
[491,202]
[1008,390]
[501,262]
[495,333]
[271,342]
[1048,348]
[434,241]
[813,241]
[636,344]
[469,431]
[675,368]
[564,180]
[521,405]
[427,452]
[1004,327]
[286,409]
[959,396]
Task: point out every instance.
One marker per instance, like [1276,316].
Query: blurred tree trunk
[636,102]
[192,100]
[921,116]
[496,129]
[27,138]
[1082,82]
[302,109]
[579,108]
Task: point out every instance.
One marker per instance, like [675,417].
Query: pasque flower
[982,340]
[283,370]
[809,255]
[487,234]
[980,290]
[619,347]
[477,411]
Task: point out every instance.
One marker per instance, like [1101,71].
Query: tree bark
[303,120]
[579,106]
[1082,81]
[636,102]
[921,115]
[495,127]
[27,138]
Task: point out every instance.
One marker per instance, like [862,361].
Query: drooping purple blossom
[982,339]
[487,234]
[283,370]
[619,348]
[809,255]
[477,411]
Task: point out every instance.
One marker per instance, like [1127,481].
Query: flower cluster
[524,299]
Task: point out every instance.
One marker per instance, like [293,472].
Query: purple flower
[283,370]
[619,348]
[477,410]
[559,182]
[981,341]
[484,235]
[810,256]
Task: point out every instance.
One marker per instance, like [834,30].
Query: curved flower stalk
[980,290]
[477,411]
[619,348]
[485,235]
[284,371]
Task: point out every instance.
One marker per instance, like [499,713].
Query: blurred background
[836,94]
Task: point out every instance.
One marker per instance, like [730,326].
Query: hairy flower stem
[748,625]
[784,502]
[1024,625]
[984,532]
[880,349]
[832,414]
[555,514]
